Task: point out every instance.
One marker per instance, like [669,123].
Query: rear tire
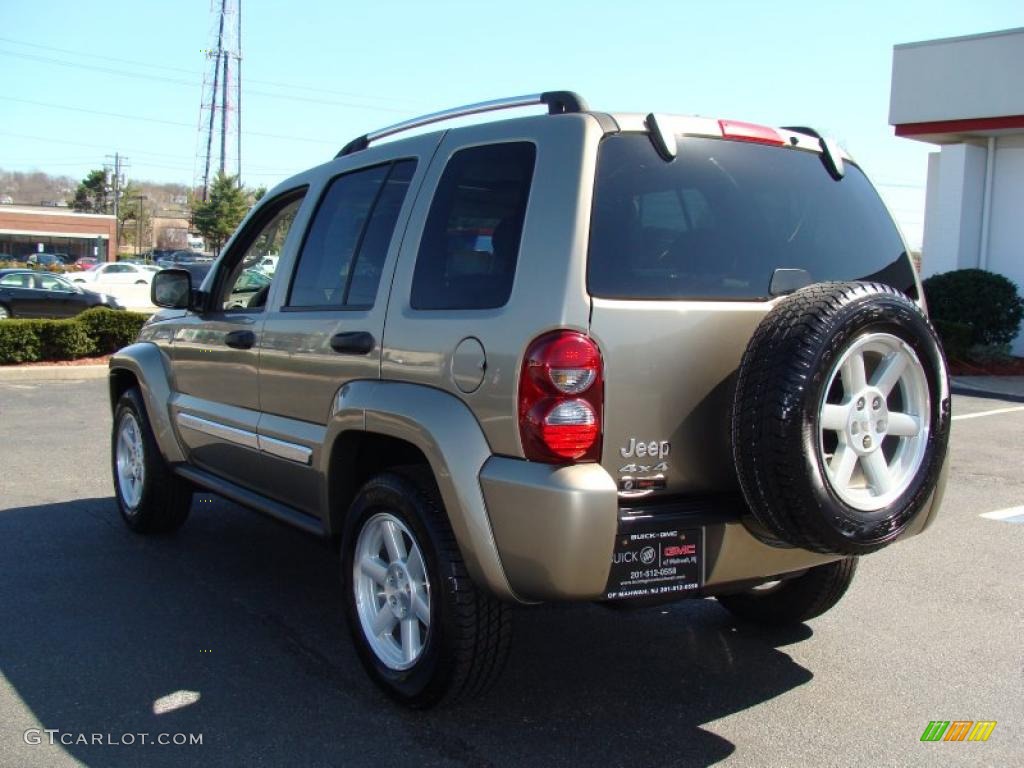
[796,600]
[439,636]
[150,498]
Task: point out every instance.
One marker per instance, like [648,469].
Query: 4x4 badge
[633,469]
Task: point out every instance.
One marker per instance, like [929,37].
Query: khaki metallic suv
[567,356]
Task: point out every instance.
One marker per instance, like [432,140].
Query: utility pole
[118,166]
[138,223]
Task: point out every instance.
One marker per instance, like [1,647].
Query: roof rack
[558,102]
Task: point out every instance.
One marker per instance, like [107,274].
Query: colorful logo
[958,730]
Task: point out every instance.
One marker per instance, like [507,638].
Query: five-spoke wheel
[874,421]
[392,591]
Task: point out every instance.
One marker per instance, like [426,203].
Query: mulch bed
[1012,367]
[102,360]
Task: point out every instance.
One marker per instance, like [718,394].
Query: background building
[28,229]
[966,94]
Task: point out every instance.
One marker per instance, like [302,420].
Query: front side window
[467,257]
[247,286]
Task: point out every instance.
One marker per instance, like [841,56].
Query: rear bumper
[555,530]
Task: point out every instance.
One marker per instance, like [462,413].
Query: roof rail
[558,102]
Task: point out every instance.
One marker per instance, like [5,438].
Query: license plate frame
[656,557]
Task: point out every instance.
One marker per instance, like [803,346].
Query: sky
[81,81]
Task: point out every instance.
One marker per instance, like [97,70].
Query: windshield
[717,222]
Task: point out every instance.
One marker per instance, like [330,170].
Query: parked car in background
[197,271]
[117,273]
[47,259]
[182,257]
[25,293]
[85,262]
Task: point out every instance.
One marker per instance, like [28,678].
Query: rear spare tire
[841,418]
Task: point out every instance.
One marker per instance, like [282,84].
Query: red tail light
[759,134]
[561,393]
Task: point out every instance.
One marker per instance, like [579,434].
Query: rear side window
[342,258]
[724,215]
[467,257]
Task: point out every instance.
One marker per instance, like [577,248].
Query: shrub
[20,341]
[98,331]
[111,329]
[985,302]
[64,340]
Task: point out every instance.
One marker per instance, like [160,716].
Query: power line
[196,75]
[160,121]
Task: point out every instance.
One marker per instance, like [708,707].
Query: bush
[20,341]
[98,331]
[111,329]
[64,340]
[985,302]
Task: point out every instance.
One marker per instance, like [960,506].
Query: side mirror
[171,289]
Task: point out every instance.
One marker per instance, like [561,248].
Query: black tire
[165,499]
[782,379]
[468,637]
[795,600]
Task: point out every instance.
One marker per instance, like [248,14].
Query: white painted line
[1011,515]
[995,412]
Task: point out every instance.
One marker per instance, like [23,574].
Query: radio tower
[219,147]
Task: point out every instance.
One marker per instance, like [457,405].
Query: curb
[16,373]
[963,389]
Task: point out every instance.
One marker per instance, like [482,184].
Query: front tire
[796,600]
[422,629]
[5,313]
[150,498]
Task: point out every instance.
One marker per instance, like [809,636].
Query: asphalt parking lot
[243,615]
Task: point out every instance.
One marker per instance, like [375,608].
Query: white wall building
[966,94]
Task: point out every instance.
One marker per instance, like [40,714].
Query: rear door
[327,323]
[681,259]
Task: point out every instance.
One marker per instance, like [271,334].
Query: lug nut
[877,403]
[867,441]
[860,404]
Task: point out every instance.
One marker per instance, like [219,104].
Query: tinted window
[467,258]
[724,215]
[369,261]
[343,255]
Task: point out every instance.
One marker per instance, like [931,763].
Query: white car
[116,274]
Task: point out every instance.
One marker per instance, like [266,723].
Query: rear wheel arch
[354,458]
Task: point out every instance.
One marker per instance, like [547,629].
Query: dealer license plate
[656,558]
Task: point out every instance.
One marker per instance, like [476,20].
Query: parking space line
[994,412]
[1011,515]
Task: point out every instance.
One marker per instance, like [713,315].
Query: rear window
[724,215]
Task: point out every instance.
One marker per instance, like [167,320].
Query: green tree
[135,217]
[93,194]
[224,208]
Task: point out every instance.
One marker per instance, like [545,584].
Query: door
[328,327]
[58,297]
[215,354]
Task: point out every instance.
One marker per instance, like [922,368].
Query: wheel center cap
[398,590]
[868,422]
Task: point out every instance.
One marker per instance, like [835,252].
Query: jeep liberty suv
[570,356]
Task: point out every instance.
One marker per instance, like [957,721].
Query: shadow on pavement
[100,623]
